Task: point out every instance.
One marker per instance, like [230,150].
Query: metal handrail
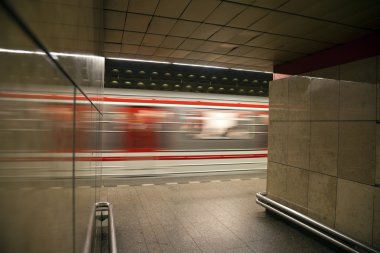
[311,225]
[88,245]
[106,206]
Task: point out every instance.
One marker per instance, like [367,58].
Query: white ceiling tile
[172,42]
[179,53]
[224,13]
[134,38]
[161,25]
[114,20]
[112,47]
[142,6]
[164,52]
[204,31]
[190,44]
[248,17]
[170,8]
[112,36]
[118,5]
[152,40]
[129,49]
[137,22]
[198,10]
[183,28]
[146,50]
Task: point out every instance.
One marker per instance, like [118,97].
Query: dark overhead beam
[355,50]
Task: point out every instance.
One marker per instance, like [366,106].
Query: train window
[218,124]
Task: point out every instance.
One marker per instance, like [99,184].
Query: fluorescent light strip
[17,51]
[251,70]
[196,65]
[137,60]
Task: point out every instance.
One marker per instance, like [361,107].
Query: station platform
[204,214]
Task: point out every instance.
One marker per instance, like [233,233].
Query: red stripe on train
[132,158]
[131,100]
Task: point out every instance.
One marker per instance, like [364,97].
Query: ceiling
[244,34]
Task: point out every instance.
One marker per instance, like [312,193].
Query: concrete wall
[44,121]
[324,147]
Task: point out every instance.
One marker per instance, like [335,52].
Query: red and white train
[141,133]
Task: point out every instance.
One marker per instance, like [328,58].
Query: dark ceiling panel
[142,6]
[170,8]
[198,10]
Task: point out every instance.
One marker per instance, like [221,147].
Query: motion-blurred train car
[144,133]
[168,133]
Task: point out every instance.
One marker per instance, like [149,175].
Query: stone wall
[324,147]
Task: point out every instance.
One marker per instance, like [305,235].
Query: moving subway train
[143,133]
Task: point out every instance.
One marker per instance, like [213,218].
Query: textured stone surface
[322,198]
[299,98]
[298,144]
[276,184]
[277,142]
[357,153]
[278,100]
[354,210]
[297,181]
[324,99]
[324,147]
[357,101]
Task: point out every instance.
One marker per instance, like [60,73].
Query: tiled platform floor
[203,217]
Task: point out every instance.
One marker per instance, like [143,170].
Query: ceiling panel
[142,6]
[204,31]
[224,48]
[129,49]
[137,22]
[195,55]
[119,5]
[224,13]
[190,44]
[163,52]
[146,50]
[250,33]
[243,37]
[183,28]
[172,42]
[134,38]
[271,4]
[179,53]
[112,35]
[161,25]
[114,20]
[225,34]
[112,47]
[170,8]
[198,10]
[240,51]
[249,16]
[153,40]
[336,33]
[209,46]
